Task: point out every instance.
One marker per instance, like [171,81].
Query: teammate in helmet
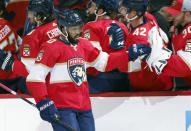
[141,26]
[102,9]
[38,12]
[106,35]
[134,9]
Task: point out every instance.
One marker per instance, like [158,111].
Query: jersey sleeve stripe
[185,57]
[38,73]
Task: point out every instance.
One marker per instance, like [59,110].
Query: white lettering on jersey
[54,24]
[53,33]
[51,41]
[186,31]
[9,41]
[4,32]
[140,31]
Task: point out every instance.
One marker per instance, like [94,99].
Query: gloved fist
[158,59]
[116,33]
[6,61]
[139,50]
[48,111]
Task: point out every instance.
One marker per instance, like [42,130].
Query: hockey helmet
[44,8]
[68,18]
[140,6]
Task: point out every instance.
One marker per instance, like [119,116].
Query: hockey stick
[32,104]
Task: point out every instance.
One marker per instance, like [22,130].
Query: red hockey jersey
[31,46]
[9,41]
[145,80]
[179,65]
[96,33]
[60,73]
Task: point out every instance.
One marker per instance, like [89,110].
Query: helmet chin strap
[97,15]
[38,22]
[131,18]
[65,36]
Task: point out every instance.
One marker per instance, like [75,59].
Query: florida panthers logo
[76,70]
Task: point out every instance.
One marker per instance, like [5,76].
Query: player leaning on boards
[141,25]
[59,75]
[179,65]
[108,35]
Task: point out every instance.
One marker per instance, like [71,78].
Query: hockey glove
[116,33]
[158,59]
[48,111]
[6,61]
[138,50]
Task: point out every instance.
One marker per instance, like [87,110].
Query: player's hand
[158,59]
[116,33]
[139,50]
[6,61]
[48,111]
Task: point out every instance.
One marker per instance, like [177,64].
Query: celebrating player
[141,26]
[59,75]
[179,65]
[107,35]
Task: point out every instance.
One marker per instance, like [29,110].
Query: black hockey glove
[47,110]
[137,50]
[6,61]
[116,32]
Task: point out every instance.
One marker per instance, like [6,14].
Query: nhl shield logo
[76,70]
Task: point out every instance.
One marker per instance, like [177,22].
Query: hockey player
[179,64]
[59,75]
[9,42]
[40,13]
[102,9]
[140,24]
[107,35]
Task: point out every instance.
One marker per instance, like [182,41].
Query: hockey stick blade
[29,102]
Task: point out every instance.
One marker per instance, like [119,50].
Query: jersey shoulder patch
[188,45]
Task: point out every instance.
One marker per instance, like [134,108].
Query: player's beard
[74,41]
